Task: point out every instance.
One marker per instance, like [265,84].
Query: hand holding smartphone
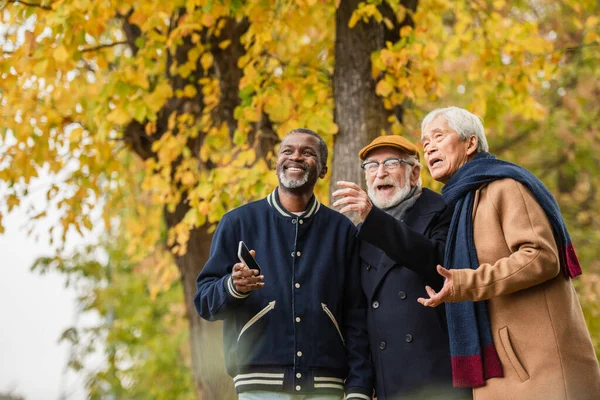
[245,257]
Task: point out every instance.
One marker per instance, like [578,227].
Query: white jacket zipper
[332,318]
[258,316]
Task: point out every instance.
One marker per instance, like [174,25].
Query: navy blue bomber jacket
[305,330]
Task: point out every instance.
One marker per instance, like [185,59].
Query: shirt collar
[311,209]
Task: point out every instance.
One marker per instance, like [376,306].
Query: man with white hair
[403,233]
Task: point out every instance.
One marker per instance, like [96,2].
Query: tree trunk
[359,112]
[206,341]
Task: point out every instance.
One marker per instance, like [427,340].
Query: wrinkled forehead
[438,124]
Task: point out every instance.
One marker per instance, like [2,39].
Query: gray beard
[398,198]
[399,210]
[293,183]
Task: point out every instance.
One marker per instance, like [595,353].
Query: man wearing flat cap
[403,231]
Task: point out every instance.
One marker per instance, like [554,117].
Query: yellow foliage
[118,116]
[70,92]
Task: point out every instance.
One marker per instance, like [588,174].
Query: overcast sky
[34,310]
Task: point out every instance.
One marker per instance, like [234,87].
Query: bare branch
[103,46]
[42,6]
[577,48]
[132,31]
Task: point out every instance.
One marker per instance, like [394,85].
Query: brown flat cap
[395,141]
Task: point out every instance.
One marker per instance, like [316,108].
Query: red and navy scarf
[474,356]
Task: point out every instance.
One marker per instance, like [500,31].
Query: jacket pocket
[258,316]
[332,318]
[512,356]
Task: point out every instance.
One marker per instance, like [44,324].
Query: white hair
[462,121]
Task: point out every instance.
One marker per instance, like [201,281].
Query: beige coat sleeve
[519,245]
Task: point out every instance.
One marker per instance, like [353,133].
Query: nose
[296,155]
[430,149]
[381,171]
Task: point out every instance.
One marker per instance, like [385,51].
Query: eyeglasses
[390,165]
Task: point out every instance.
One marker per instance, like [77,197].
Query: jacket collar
[311,209]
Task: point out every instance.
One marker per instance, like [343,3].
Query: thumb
[253,253]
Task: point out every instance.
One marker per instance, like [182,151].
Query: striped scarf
[474,356]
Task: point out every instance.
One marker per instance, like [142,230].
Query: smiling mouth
[295,169]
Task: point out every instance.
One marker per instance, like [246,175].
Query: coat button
[301,222]
[297,285]
[402,295]
[298,388]
[375,304]
[298,375]
[299,354]
[293,221]
[382,345]
[368,267]
[408,338]
[298,253]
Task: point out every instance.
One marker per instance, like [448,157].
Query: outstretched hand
[245,279]
[444,295]
[353,198]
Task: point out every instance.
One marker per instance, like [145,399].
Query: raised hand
[353,198]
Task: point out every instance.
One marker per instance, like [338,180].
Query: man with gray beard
[295,328]
[403,231]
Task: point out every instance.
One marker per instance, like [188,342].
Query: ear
[415,174]
[323,171]
[472,143]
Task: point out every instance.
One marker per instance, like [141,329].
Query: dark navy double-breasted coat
[409,342]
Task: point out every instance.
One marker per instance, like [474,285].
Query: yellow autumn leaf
[383,88]
[499,4]
[206,60]
[119,116]
[208,20]
[405,31]
[60,54]
[591,22]
[430,52]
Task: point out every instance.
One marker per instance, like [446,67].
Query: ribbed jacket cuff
[356,393]
[231,291]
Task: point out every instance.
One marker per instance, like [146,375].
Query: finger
[427,302]
[345,192]
[238,267]
[423,301]
[350,207]
[346,184]
[444,272]
[253,253]
[255,287]
[344,200]
[430,291]
[249,287]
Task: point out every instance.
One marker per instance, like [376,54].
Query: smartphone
[245,257]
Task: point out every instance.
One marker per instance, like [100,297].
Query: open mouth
[434,161]
[295,169]
[384,188]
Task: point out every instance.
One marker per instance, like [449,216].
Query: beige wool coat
[535,316]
